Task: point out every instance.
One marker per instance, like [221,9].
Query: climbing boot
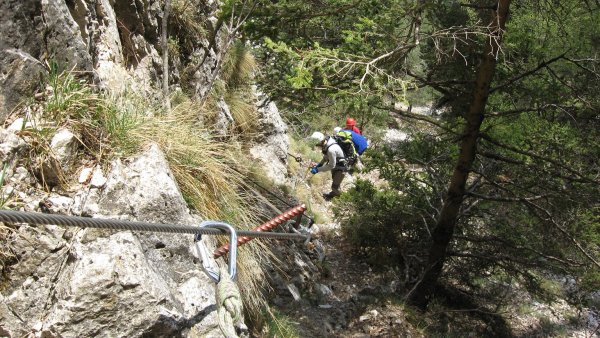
[328,196]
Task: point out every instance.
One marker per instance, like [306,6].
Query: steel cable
[11,216]
[267,226]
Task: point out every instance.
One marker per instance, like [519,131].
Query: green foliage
[531,198]
[380,223]
[321,56]
[549,328]
[590,281]
[279,325]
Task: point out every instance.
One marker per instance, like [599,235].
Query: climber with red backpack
[351,125]
[334,160]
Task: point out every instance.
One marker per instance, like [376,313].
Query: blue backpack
[344,139]
[360,142]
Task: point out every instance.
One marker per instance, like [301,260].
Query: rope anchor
[209,264]
[229,300]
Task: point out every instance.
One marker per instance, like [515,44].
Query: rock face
[272,145]
[132,192]
[20,69]
[71,282]
[34,32]
[113,42]
[63,40]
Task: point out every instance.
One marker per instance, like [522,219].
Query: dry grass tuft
[186,24]
[239,66]
[7,255]
[7,232]
[238,70]
[211,175]
[243,112]
[207,170]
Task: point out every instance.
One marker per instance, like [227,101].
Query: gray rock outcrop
[72,282]
[113,42]
[272,144]
[20,49]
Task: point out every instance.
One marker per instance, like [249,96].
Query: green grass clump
[279,325]
[69,99]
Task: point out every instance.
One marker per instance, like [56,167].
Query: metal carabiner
[209,265]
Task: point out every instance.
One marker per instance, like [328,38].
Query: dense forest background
[507,186]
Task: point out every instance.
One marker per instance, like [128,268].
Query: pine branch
[537,156]
[550,219]
[492,8]
[521,76]
[501,158]
[420,118]
[578,64]
[495,240]
[515,111]
[507,199]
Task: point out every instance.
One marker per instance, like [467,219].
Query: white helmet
[317,136]
[337,129]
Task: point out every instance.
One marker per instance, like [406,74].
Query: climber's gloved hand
[314,170]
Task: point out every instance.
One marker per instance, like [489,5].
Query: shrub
[379,222]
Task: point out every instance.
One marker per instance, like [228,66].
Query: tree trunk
[444,230]
[165,56]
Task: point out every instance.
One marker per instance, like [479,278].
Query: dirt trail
[345,298]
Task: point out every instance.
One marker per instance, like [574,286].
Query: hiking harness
[229,301]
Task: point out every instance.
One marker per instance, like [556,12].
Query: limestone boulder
[21,26]
[71,282]
[272,144]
